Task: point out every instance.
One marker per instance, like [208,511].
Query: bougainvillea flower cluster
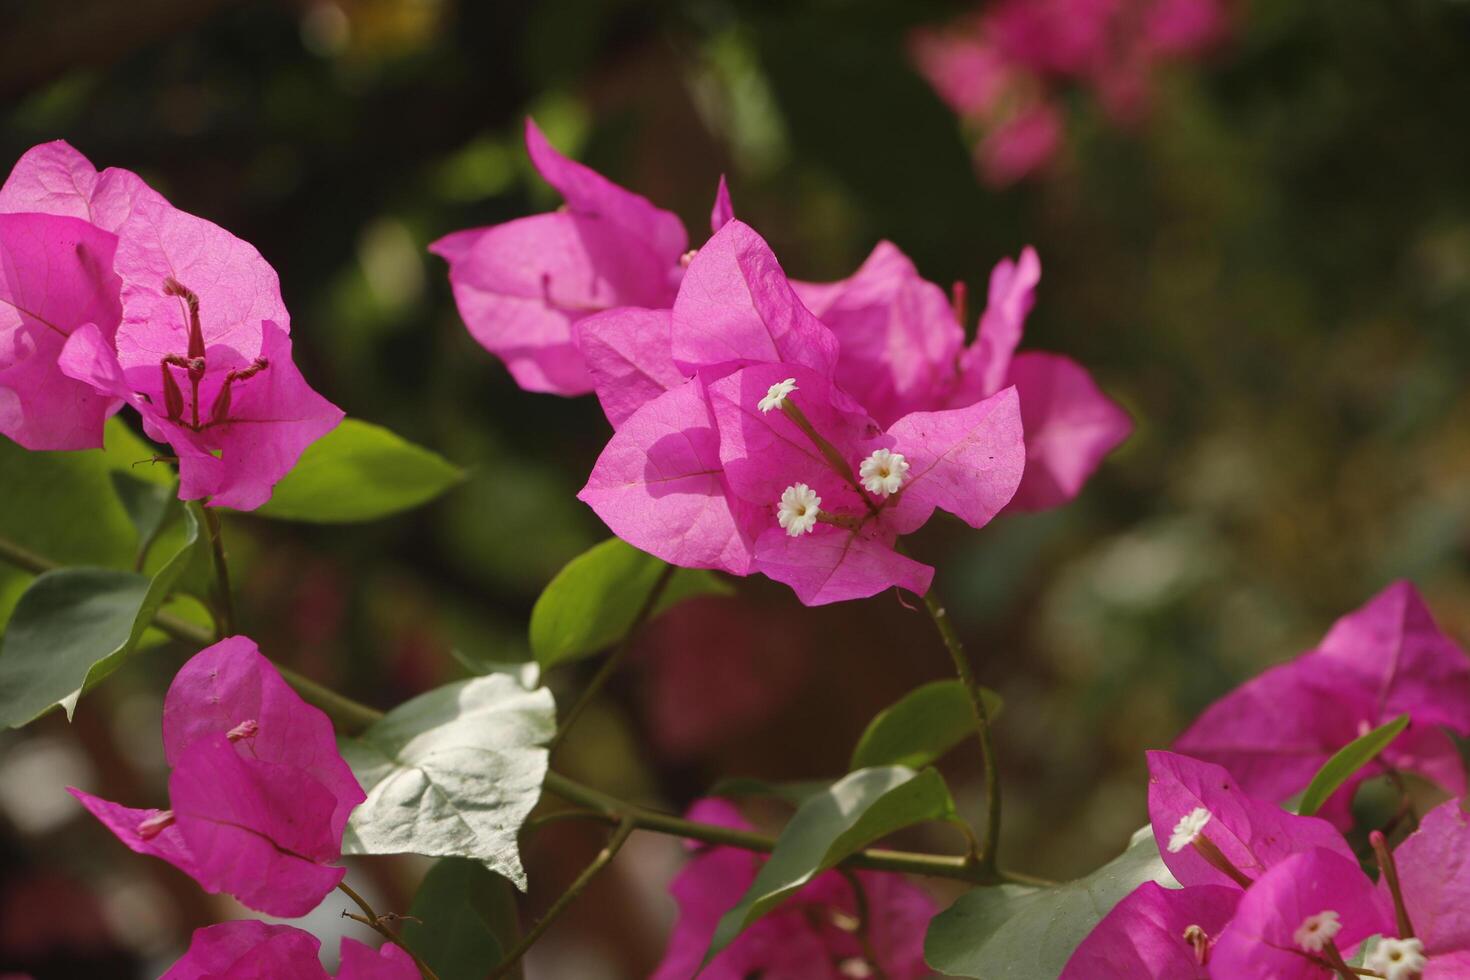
[750,458]
[1383,660]
[247,950]
[1267,893]
[1270,894]
[818,934]
[1004,69]
[258,794]
[112,296]
[885,413]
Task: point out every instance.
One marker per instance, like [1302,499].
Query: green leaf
[73,627]
[921,726]
[453,773]
[62,505]
[466,919]
[1348,760]
[855,811]
[359,472]
[151,506]
[1019,933]
[594,600]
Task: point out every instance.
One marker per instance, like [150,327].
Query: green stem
[374,921]
[864,923]
[987,854]
[615,659]
[352,717]
[610,809]
[224,599]
[604,857]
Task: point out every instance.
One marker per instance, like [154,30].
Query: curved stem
[864,923]
[604,857]
[987,854]
[352,717]
[374,921]
[223,597]
[610,809]
[614,660]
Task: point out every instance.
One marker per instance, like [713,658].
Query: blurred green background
[1272,273]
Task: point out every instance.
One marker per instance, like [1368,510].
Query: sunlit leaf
[921,726]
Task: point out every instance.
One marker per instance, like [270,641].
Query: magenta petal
[260,831]
[1262,939]
[123,821]
[659,486]
[763,453]
[1254,835]
[1434,872]
[57,275]
[53,178]
[237,289]
[723,211]
[248,949]
[590,194]
[1273,732]
[388,962]
[1142,938]
[987,363]
[628,355]
[1070,426]
[967,461]
[1392,648]
[898,334]
[735,305]
[274,417]
[231,684]
[522,285]
[832,564]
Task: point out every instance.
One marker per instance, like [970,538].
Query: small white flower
[798,510]
[883,472]
[776,394]
[1397,959]
[1317,931]
[1188,828]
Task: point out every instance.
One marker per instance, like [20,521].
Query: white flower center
[883,472]
[798,509]
[776,394]
[1317,931]
[1188,828]
[1397,959]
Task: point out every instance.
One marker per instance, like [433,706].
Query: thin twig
[224,599]
[374,921]
[864,923]
[987,855]
[615,659]
[614,844]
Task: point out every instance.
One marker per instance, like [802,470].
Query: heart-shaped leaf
[453,773]
[921,726]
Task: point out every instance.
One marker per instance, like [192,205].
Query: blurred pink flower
[1003,68]
[250,950]
[1386,659]
[259,794]
[812,936]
